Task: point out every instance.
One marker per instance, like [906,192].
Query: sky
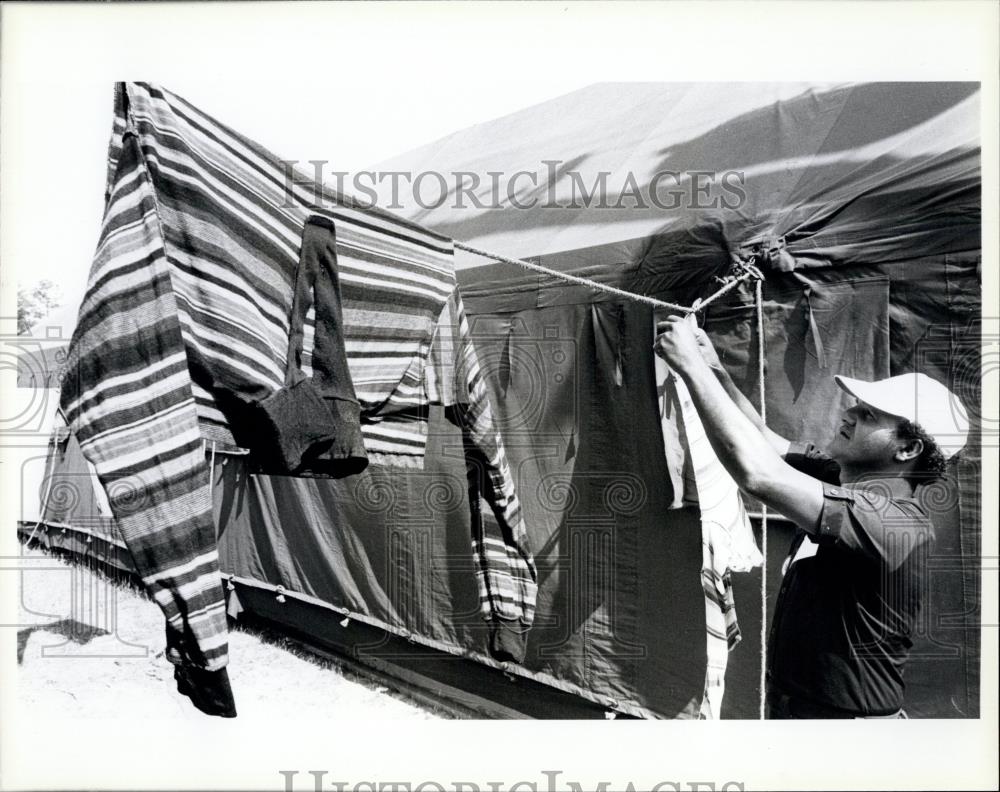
[54,147]
[350,84]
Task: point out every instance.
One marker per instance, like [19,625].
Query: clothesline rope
[743,270]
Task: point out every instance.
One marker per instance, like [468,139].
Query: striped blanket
[191,286]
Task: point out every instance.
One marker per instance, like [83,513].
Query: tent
[62,504]
[862,205]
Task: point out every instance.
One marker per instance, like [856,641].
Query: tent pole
[49,470]
[759,300]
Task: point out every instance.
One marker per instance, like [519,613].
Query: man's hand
[677,342]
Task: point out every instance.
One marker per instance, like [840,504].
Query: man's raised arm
[711,357]
[749,457]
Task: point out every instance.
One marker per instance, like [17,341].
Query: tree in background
[35,302]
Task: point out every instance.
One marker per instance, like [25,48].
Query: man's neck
[894,480]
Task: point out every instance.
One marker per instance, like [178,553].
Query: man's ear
[910,451]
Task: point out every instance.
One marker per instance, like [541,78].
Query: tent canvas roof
[804,152]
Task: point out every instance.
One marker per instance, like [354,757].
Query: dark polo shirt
[849,599]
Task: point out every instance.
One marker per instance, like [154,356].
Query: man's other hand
[677,342]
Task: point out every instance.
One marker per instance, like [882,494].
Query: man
[853,582]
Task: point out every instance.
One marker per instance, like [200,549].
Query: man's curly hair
[931,462]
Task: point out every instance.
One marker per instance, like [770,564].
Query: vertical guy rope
[759,300]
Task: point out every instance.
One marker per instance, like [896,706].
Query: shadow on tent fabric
[788,153]
[871,112]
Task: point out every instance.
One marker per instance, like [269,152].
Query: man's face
[865,438]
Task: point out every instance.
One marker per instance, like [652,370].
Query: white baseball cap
[919,399]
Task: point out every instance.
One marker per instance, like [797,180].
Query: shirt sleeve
[885,529]
[808,459]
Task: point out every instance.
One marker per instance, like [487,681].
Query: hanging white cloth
[728,543]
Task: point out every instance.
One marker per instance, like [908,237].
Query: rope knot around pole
[742,270]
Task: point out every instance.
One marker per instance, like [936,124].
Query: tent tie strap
[743,270]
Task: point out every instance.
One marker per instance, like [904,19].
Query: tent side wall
[874,217]
[391,547]
[866,321]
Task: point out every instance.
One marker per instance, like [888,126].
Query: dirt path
[87,647]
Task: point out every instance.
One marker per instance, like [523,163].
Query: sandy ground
[89,647]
